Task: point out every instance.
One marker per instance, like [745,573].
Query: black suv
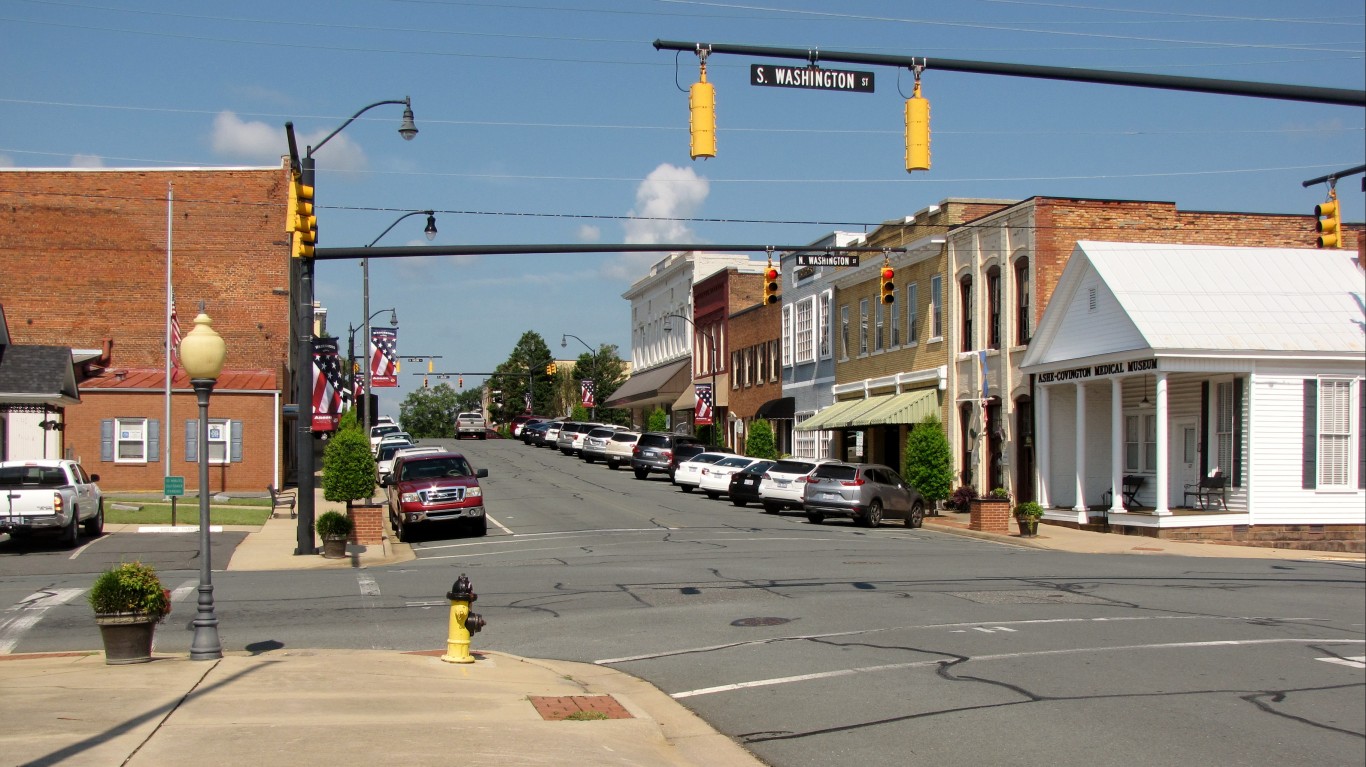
[654,451]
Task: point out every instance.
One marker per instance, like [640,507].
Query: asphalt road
[833,644]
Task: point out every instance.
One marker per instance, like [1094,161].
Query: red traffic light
[770,274]
[887,274]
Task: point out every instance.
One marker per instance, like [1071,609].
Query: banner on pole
[586,393]
[702,410]
[383,357]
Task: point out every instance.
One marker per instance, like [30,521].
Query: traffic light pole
[303,385]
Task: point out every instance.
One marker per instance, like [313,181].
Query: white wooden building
[1157,366]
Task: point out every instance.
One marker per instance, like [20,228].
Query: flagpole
[170,309]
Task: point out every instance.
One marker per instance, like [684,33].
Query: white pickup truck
[50,495]
[471,424]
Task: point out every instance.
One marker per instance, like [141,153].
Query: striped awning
[840,414]
[909,407]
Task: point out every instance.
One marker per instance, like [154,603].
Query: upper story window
[994,308]
[880,340]
[893,323]
[863,326]
[966,305]
[1022,330]
[787,335]
[912,313]
[823,320]
[806,329]
[937,306]
[844,332]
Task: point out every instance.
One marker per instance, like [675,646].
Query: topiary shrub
[333,524]
[130,587]
[348,467]
[927,461]
[759,443]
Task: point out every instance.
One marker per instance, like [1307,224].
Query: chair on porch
[1132,483]
[1209,490]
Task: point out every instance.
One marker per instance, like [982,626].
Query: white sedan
[689,472]
[716,477]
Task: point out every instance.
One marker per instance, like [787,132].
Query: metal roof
[126,379]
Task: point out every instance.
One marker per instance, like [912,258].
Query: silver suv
[654,452]
[865,492]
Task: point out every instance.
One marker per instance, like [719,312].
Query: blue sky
[558,122]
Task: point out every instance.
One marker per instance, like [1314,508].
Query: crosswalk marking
[1356,662]
[18,619]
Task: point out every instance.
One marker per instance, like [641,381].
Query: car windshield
[793,467]
[625,436]
[453,466]
[41,476]
[654,440]
[386,453]
[381,430]
[841,471]
[760,467]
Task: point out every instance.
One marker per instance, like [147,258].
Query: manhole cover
[748,622]
[1031,597]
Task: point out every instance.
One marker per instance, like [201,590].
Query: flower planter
[127,637]
[990,515]
[1029,526]
[334,546]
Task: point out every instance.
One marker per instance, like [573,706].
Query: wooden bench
[1132,483]
[281,500]
[1209,490]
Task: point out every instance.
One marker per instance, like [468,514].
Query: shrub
[759,443]
[659,420]
[1029,509]
[963,496]
[130,587]
[927,462]
[332,523]
[1000,493]
[348,467]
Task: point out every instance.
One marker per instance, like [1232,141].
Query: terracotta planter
[334,547]
[991,515]
[127,637]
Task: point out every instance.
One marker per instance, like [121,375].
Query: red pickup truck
[428,489]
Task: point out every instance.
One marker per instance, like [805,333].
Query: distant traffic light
[917,131]
[550,369]
[1329,225]
[460,382]
[888,284]
[301,224]
[771,285]
[702,115]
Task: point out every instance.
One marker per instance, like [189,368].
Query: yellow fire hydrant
[463,622]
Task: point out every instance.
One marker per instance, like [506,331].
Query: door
[1185,460]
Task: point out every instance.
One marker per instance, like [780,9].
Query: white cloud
[6,161]
[667,194]
[261,142]
[589,233]
[87,161]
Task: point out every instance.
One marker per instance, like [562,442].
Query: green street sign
[174,486]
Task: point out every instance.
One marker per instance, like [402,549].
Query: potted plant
[128,601]
[962,498]
[335,529]
[1027,517]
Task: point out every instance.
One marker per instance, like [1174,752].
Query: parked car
[595,443]
[715,480]
[571,436]
[50,495]
[384,459]
[520,422]
[395,438]
[744,484]
[433,488]
[383,467]
[619,446]
[533,432]
[551,434]
[686,452]
[865,492]
[654,452]
[378,432]
[783,485]
[689,473]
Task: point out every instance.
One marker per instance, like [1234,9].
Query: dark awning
[642,387]
[778,409]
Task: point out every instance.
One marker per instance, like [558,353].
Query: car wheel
[815,517]
[916,517]
[772,508]
[738,502]
[712,494]
[642,473]
[71,534]
[685,488]
[404,534]
[872,517]
[612,465]
[479,527]
[94,527]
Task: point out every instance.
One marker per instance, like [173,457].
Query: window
[804,442]
[772,361]
[1022,301]
[895,326]
[879,340]
[1140,442]
[863,326]
[1335,433]
[912,313]
[844,332]
[994,308]
[965,303]
[823,320]
[787,335]
[760,356]
[806,331]
[131,437]
[219,435]
[936,306]
[1223,427]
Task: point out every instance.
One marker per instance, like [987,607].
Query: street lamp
[711,342]
[303,269]
[593,414]
[202,352]
[430,231]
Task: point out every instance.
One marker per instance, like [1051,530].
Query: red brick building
[714,300]
[84,260]
[756,386]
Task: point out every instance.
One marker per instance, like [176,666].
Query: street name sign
[827,259]
[778,76]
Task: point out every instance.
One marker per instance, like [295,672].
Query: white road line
[19,618]
[498,524]
[182,591]
[368,586]
[1357,662]
[1003,656]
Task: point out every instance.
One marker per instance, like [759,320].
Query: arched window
[1022,324]
[994,308]
[965,302]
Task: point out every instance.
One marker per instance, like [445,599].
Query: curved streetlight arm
[428,213]
[564,343]
[406,101]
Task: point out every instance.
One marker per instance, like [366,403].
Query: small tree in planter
[348,468]
[128,601]
[927,462]
[334,528]
[658,421]
[759,443]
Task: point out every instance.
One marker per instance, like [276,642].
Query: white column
[1163,470]
[1042,468]
[1080,505]
[1116,444]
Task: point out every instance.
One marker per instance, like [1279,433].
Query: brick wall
[368,524]
[749,328]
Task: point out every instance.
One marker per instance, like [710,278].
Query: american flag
[702,410]
[329,388]
[587,389]
[383,357]
[176,338]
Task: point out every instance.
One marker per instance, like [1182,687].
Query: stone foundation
[1338,538]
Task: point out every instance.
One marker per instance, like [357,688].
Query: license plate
[783,482]
[829,496]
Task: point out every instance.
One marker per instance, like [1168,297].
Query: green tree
[430,413]
[605,368]
[927,461]
[658,421]
[467,400]
[525,365]
[348,467]
[759,443]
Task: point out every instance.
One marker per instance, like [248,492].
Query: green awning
[910,407]
[818,421]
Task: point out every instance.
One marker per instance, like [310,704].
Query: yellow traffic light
[301,224]
[1329,225]
[771,285]
[702,116]
[917,131]
[888,282]
[550,369]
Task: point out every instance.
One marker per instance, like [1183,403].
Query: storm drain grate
[750,622]
[1031,597]
[579,707]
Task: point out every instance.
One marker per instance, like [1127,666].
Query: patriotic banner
[176,338]
[702,410]
[526,399]
[383,357]
[586,391]
[329,386]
